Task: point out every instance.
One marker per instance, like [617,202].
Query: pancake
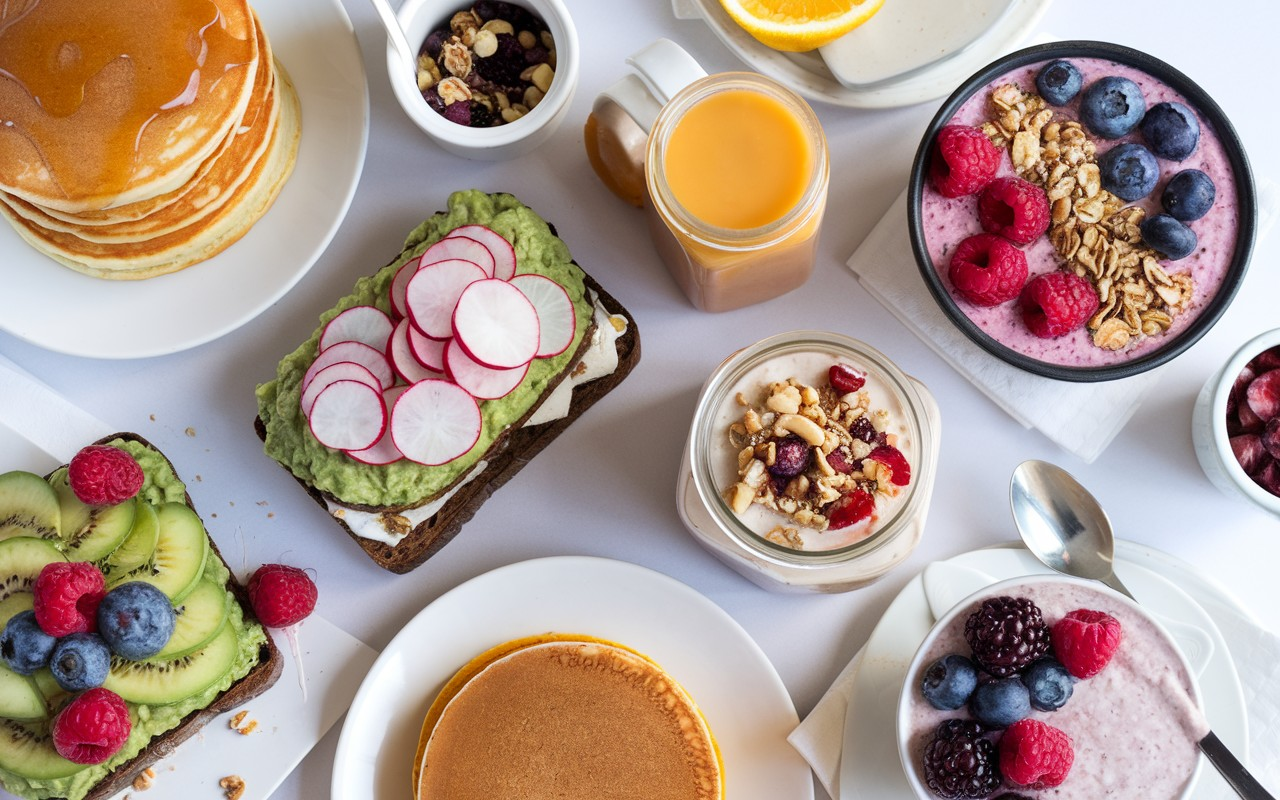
[565,716]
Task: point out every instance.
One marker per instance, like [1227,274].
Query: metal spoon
[396,34]
[1063,526]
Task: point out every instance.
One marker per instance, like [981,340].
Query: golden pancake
[565,716]
[138,96]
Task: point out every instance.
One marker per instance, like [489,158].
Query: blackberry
[960,762]
[1006,634]
[1012,796]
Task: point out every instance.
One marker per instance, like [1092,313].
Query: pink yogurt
[1134,726]
[947,222]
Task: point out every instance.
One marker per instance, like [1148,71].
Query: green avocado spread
[161,485]
[404,483]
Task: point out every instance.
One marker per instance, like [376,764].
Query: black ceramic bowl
[1209,112]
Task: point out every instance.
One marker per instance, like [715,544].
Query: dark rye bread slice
[505,458]
[257,681]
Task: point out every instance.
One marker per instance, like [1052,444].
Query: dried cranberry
[863,430]
[792,457]
[1271,437]
[838,460]
[845,379]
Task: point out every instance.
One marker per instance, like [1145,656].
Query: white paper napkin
[1082,418]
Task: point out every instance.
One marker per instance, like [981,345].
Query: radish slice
[348,415]
[402,358]
[429,352]
[383,451]
[373,360]
[483,383]
[358,324]
[557,321]
[398,285]
[496,324]
[342,371]
[434,422]
[433,292]
[504,255]
[463,248]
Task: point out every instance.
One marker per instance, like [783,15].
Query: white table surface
[606,486]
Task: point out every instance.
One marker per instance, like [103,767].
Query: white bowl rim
[1218,415]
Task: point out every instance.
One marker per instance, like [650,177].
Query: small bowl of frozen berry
[492,79]
[1081,210]
[1236,423]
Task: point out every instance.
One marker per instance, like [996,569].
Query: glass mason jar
[710,468]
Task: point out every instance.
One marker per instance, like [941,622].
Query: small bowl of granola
[493,79]
[1082,210]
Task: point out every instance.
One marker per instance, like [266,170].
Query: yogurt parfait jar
[810,463]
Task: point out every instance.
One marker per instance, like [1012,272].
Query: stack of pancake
[138,137]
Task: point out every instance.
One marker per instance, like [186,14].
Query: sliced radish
[496,324]
[348,415]
[504,255]
[557,321]
[406,365]
[383,451]
[433,291]
[428,351]
[374,360]
[342,371]
[358,324]
[398,286]
[463,248]
[434,422]
[483,383]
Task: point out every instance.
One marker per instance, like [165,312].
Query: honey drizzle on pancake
[53,49]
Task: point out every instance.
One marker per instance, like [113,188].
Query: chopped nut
[756,474]
[497,26]
[485,44]
[425,80]
[740,497]
[463,20]
[541,77]
[144,780]
[751,420]
[532,96]
[526,39]
[547,41]
[232,787]
[786,401]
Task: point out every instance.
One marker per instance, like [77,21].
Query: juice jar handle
[666,68]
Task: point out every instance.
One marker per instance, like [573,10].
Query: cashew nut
[803,427]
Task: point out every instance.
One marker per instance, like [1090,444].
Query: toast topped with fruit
[437,378]
[123,630]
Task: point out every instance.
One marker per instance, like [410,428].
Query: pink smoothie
[947,222]
[1134,726]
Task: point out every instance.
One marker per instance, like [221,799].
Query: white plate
[727,674]
[810,75]
[59,309]
[870,768]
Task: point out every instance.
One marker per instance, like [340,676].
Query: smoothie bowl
[1055,687]
[1082,210]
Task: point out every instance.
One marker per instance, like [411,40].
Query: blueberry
[791,457]
[1129,171]
[1188,195]
[136,619]
[1001,702]
[1171,130]
[1164,233]
[948,682]
[1112,106]
[1058,82]
[1049,684]
[80,661]
[434,43]
[23,645]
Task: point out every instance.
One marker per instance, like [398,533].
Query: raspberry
[67,595]
[1006,634]
[1057,303]
[986,270]
[104,476]
[845,379]
[1035,755]
[281,595]
[849,508]
[92,727]
[964,160]
[960,762]
[1085,640]
[1016,209]
[892,457]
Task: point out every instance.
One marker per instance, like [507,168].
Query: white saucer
[870,768]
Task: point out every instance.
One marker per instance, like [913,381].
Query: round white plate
[870,767]
[59,309]
[726,673]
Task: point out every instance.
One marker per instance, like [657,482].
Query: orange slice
[799,25]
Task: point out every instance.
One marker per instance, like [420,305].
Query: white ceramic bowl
[418,18]
[1209,428]
[910,696]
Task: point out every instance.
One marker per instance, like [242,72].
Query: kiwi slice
[26,749]
[164,682]
[89,533]
[47,685]
[178,561]
[201,616]
[21,560]
[138,546]
[19,698]
[28,506]
[15,604]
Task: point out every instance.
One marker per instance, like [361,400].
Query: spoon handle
[1232,771]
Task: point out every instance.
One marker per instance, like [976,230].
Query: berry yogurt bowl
[1082,210]
[1049,686]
